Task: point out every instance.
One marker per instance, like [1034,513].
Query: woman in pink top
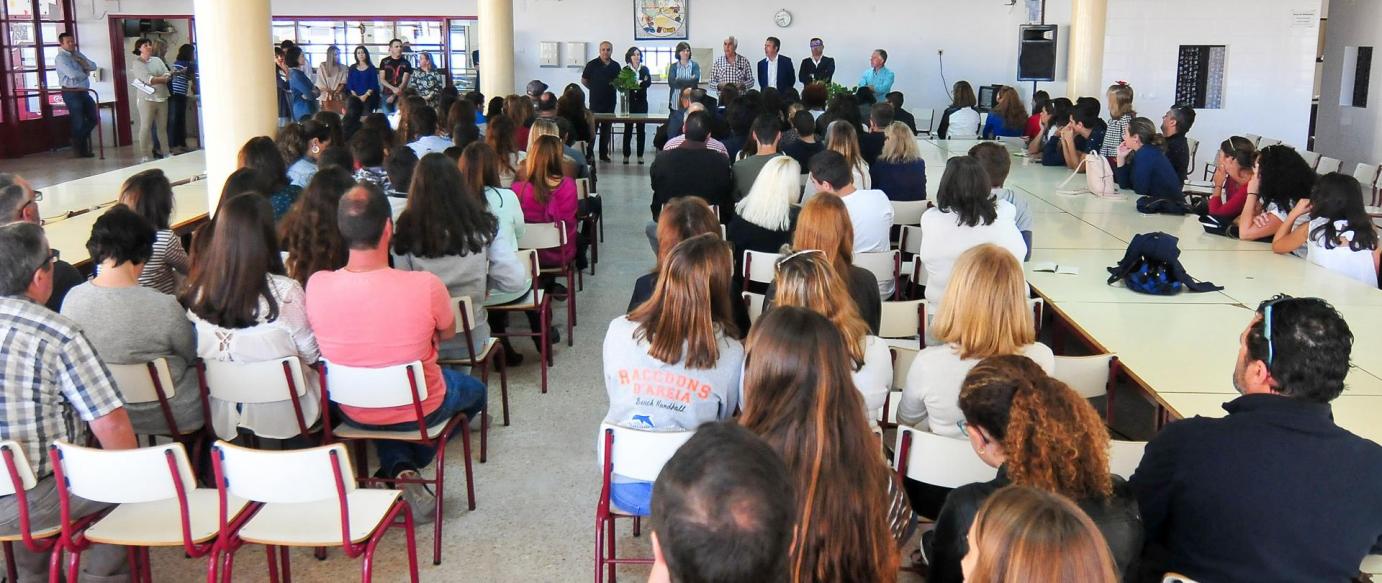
[548,197]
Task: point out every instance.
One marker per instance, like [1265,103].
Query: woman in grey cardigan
[681,73]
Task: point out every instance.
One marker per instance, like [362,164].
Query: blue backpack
[1151,265]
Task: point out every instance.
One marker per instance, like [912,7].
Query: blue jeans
[464,393]
[82,115]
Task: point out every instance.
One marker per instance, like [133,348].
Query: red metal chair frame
[209,432]
[605,558]
[362,463]
[544,309]
[48,544]
[496,359]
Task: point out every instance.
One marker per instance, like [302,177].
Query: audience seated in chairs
[824,226]
[997,162]
[881,115]
[690,169]
[150,195]
[1280,178]
[767,135]
[19,202]
[308,235]
[842,139]
[898,170]
[479,166]
[966,215]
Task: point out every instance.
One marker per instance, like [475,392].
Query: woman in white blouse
[246,310]
[1335,229]
[966,214]
[985,314]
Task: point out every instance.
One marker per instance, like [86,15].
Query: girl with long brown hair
[844,139]
[798,397]
[674,361]
[1025,535]
[1009,118]
[261,154]
[309,235]
[149,194]
[519,109]
[247,310]
[548,196]
[1039,433]
[499,135]
[479,166]
[824,225]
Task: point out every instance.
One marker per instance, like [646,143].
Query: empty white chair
[759,267]
[1312,159]
[636,455]
[1090,376]
[1327,165]
[886,266]
[908,212]
[309,499]
[754,303]
[925,119]
[903,324]
[269,381]
[940,461]
[1123,457]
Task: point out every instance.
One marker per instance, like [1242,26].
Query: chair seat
[159,524]
[909,343]
[347,431]
[529,301]
[1372,565]
[484,354]
[37,534]
[315,524]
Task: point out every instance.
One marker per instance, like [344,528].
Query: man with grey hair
[731,67]
[51,381]
[19,203]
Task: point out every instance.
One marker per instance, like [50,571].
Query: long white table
[1179,349]
[69,236]
[99,190]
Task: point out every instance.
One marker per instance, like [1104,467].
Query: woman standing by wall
[363,81]
[681,73]
[638,99]
[152,100]
[331,81]
[179,88]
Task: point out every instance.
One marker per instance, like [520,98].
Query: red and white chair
[536,300]
[754,302]
[902,363]
[759,267]
[1090,376]
[547,236]
[636,455]
[886,266]
[305,498]
[903,324]
[481,357]
[152,382]
[19,479]
[269,381]
[397,386]
[940,461]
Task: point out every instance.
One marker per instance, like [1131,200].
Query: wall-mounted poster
[659,19]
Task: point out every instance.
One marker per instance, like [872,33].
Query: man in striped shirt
[50,382]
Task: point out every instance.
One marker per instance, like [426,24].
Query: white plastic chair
[269,381]
[925,119]
[1090,376]
[1254,138]
[400,385]
[1327,165]
[542,236]
[940,461]
[1312,159]
[759,267]
[754,303]
[18,480]
[1372,565]
[150,382]
[886,266]
[1367,175]
[536,300]
[903,324]
[490,355]
[1124,456]
[902,363]
[636,455]
[908,212]
[1264,142]
[1194,146]
[308,499]
[158,503]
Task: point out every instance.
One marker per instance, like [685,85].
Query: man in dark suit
[817,68]
[775,70]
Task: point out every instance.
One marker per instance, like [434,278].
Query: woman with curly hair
[798,396]
[308,234]
[1279,179]
[1041,434]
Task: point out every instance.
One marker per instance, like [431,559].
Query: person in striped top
[150,195]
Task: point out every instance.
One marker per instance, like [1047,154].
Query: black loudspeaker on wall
[1036,56]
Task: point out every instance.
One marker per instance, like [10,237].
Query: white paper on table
[1052,267]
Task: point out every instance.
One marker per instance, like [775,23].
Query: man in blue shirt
[73,68]
[878,76]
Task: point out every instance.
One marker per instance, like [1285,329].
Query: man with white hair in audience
[19,203]
[710,143]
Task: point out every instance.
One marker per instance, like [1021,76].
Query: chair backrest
[285,476]
[1194,147]
[940,461]
[1372,565]
[925,117]
[124,476]
[255,382]
[543,236]
[1312,159]
[1327,165]
[529,259]
[910,239]
[637,454]
[1038,308]
[582,188]
[754,302]
[389,386]
[462,308]
[22,469]
[1123,457]
[902,363]
[908,212]
[1366,175]
[1264,142]
[760,267]
[885,265]
[919,275]
[902,319]
[1088,375]
[137,381]
[1254,138]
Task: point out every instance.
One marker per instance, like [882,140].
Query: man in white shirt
[870,211]
[775,70]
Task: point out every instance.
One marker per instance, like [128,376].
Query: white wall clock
[783,18]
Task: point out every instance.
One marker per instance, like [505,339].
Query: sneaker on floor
[419,497]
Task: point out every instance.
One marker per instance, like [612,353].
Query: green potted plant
[626,81]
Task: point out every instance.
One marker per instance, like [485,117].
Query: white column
[1086,63]
[238,91]
[496,48]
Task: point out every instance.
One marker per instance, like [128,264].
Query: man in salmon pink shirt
[370,315]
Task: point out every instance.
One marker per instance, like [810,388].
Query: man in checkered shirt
[731,67]
[51,380]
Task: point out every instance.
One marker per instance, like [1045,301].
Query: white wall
[1269,76]
[1345,132]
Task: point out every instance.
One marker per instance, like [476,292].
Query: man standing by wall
[598,77]
[73,68]
[775,70]
[819,67]
[731,67]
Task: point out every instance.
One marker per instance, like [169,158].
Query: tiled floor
[59,166]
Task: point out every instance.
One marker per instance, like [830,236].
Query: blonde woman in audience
[763,219]
[985,313]
[1039,433]
[824,225]
[843,138]
[674,362]
[899,171]
[1121,114]
[798,396]
[547,127]
[1029,536]
[805,279]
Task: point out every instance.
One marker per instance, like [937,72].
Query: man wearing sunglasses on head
[19,203]
[1274,491]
